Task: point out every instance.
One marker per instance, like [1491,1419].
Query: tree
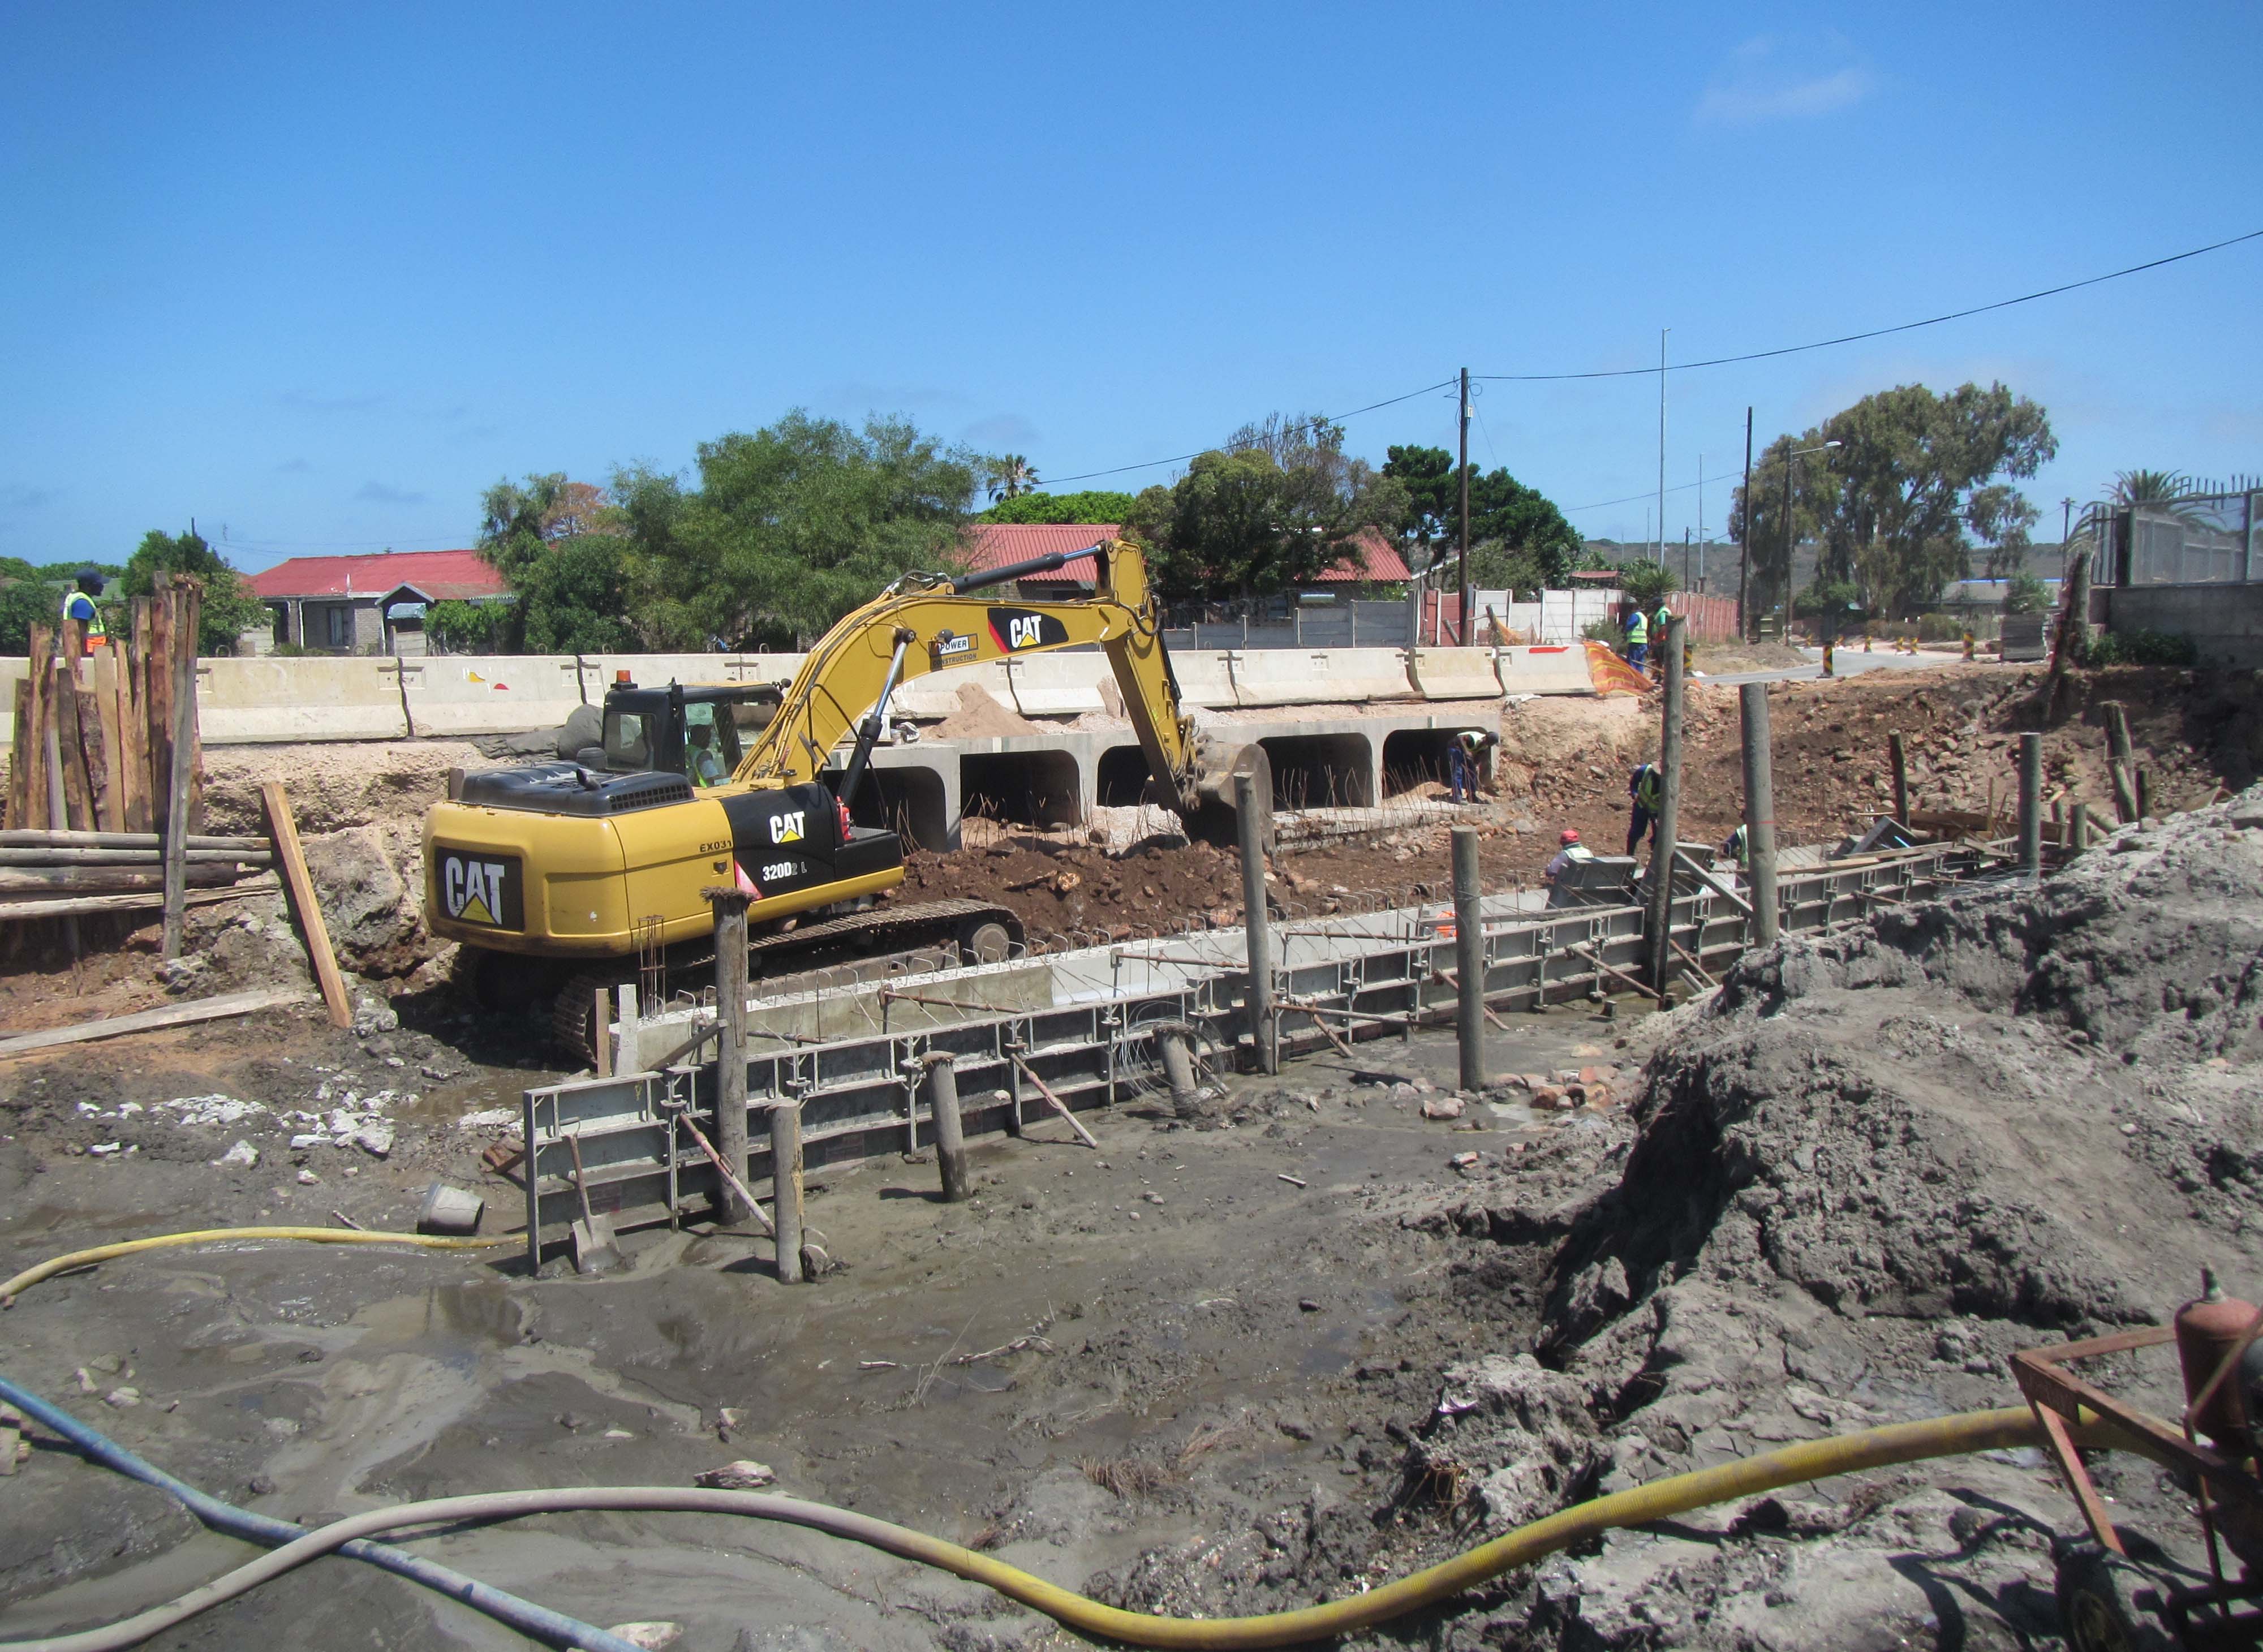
[228,608]
[1010,476]
[1098,505]
[1518,538]
[1276,506]
[575,600]
[1646,584]
[24,602]
[787,529]
[2150,487]
[2024,593]
[1897,504]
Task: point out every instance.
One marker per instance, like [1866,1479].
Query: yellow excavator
[560,878]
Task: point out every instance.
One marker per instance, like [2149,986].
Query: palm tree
[2150,487]
[1010,476]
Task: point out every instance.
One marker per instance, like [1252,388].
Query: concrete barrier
[1453,674]
[1206,677]
[1557,669]
[242,702]
[1058,685]
[492,694]
[1319,676]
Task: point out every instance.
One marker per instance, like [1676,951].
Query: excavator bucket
[1215,821]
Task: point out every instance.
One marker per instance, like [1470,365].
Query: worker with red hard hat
[1569,854]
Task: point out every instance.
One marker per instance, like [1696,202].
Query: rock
[1441,1106]
[308,1139]
[308,1178]
[372,1015]
[1152,1198]
[242,1156]
[376,1140]
[1305,1304]
[122,1398]
[373,918]
[1463,1161]
[1294,1425]
[653,1635]
[1546,1095]
[745,1474]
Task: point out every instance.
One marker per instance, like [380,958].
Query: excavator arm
[930,622]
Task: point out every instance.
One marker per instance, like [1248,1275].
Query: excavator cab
[692,731]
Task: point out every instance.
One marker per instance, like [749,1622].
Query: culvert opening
[1022,788]
[908,802]
[1321,770]
[1121,780]
[1415,756]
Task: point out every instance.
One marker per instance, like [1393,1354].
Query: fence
[2202,539]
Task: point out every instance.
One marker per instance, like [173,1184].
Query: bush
[1603,630]
[2142,647]
[1939,628]
[467,628]
[2024,593]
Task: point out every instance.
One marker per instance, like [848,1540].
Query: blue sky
[321,274]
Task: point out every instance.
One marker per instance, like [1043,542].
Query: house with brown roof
[373,604]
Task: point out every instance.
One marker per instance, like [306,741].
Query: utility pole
[1661,444]
[1464,637]
[1701,521]
[1745,544]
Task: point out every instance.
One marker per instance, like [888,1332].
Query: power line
[1876,332]
[1679,487]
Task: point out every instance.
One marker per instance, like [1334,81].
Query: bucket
[449,1210]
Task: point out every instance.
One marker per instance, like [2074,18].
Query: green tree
[575,600]
[787,529]
[1278,505]
[1916,478]
[1646,583]
[2150,487]
[2024,593]
[469,628]
[558,543]
[27,602]
[229,608]
[1096,505]
[1010,475]
[1518,538]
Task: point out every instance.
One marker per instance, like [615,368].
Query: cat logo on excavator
[788,827]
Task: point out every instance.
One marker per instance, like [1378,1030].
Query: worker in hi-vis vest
[80,605]
[1637,637]
[1646,787]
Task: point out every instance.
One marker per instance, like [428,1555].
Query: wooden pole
[1759,811]
[296,879]
[1669,811]
[2144,792]
[785,1188]
[2031,805]
[1251,830]
[182,761]
[2118,762]
[601,1031]
[2077,826]
[1469,959]
[949,1132]
[730,909]
[1899,752]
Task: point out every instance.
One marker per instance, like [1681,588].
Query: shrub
[2142,647]
[1939,628]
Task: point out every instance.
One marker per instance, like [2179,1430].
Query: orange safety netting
[1612,675]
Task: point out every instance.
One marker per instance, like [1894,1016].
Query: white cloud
[1762,82]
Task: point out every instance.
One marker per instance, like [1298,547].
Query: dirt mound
[980,717]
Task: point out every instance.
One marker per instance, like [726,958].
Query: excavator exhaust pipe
[1217,763]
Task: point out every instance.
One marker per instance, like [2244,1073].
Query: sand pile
[980,717]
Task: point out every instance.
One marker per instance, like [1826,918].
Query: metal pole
[1759,811]
[184,760]
[1701,521]
[1469,957]
[1175,1039]
[1745,545]
[1786,637]
[730,908]
[1669,812]
[785,1185]
[949,1133]
[1899,753]
[2031,805]
[1250,830]
[1464,639]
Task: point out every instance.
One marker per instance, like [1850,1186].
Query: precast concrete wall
[2225,622]
[1453,674]
[1292,677]
[1543,669]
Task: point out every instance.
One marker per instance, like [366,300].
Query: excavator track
[977,931]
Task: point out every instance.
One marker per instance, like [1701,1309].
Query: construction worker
[1637,637]
[1646,787]
[1738,849]
[1569,854]
[1658,634]
[703,767]
[1465,759]
[79,606]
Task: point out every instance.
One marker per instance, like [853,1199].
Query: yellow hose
[54,1266]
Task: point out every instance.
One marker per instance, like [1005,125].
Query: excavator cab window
[711,744]
[628,744]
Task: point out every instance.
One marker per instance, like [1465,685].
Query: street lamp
[1799,453]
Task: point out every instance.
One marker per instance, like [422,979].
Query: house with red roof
[1374,559]
[373,604]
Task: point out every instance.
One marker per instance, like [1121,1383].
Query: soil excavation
[1342,1324]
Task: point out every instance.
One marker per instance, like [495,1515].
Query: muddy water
[1166,1298]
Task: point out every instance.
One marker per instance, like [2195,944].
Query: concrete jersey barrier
[1453,674]
[1318,677]
[1549,669]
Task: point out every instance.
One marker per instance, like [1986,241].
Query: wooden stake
[103,672]
[1055,1102]
[301,885]
[150,1020]
[1899,754]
